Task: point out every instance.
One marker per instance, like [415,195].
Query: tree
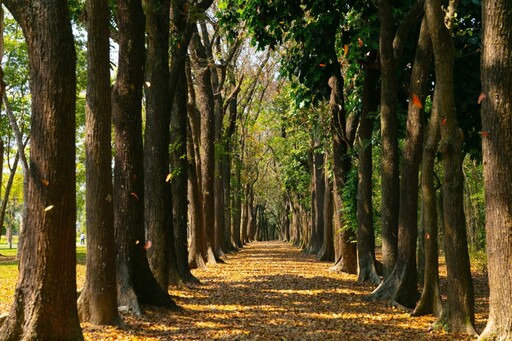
[458,314]
[157,216]
[98,300]
[497,154]
[45,297]
[136,283]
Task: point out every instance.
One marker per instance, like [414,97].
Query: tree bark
[157,216]
[458,315]
[205,102]
[430,300]
[98,300]
[497,155]
[389,137]
[367,270]
[345,249]
[326,254]
[45,296]
[179,179]
[198,250]
[136,283]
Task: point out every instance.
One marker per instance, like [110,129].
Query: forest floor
[273,291]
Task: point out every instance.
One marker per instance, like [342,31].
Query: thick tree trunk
[205,102]
[458,315]
[45,297]
[497,154]
[389,136]
[136,283]
[367,270]
[198,250]
[157,216]
[98,300]
[401,285]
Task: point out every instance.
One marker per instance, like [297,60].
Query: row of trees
[207,130]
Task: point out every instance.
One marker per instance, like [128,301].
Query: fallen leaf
[481,98]
[417,102]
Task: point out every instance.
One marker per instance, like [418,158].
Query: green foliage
[349,199]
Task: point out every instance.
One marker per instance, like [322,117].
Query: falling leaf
[147,245]
[443,122]
[321,65]
[137,242]
[481,98]
[148,84]
[168,178]
[427,236]
[359,42]
[281,22]
[417,102]
[135,195]
[345,48]
[45,182]
[179,45]
[108,198]
[485,134]
[48,208]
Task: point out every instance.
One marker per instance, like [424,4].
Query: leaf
[45,182]
[133,194]
[48,208]
[345,49]
[147,245]
[169,177]
[481,98]
[485,134]
[443,122]
[360,42]
[417,102]
[321,65]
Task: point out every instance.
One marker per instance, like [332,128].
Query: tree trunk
[205,103]
[98,300]
[179,178]
[198,250]
[326,254]
[497,154]
[45,297]
[157,216]
[389,136]
[430,300]
[317,204]
[346,252]
[367,270]
[458,315]
[136,283]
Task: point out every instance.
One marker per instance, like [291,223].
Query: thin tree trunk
[367,270]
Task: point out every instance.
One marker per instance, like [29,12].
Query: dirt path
[271,291]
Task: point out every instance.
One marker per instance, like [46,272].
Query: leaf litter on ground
[273,291]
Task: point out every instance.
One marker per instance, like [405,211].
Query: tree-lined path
[273,291]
